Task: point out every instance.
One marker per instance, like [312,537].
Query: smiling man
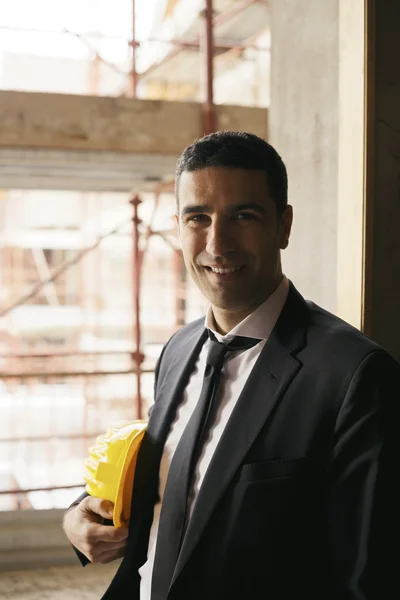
[267,468]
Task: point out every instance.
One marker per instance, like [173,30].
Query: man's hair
[236,150]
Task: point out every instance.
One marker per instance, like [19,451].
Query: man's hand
[84,528]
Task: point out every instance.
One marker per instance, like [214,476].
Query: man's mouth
[224,270]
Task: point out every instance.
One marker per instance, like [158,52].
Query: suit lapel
[174,381]
[271,375]
[169,392]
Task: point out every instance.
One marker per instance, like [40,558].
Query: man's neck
[224,320]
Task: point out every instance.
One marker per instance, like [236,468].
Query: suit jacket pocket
[272,469]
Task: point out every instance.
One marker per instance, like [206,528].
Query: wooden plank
[72,122]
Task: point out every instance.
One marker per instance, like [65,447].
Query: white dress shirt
[235,373]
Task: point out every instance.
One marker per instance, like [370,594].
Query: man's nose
[220,240]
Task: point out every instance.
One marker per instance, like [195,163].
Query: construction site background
[90,290]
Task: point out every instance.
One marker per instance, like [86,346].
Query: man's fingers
[110,546]
[107,557]
[101,507]
[95,552]
[104,533]
[84,528]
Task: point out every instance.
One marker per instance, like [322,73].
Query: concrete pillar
[351,161]
[335,119]
[303,126]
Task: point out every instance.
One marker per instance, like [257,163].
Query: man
[283,485]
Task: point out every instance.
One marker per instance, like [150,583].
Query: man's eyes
[198,218]
[242,216]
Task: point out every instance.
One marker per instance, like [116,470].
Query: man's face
[231,236]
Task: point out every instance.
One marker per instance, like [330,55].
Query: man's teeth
[223,271]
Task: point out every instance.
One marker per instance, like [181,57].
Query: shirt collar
[260,323]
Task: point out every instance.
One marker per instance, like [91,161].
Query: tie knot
[217,350]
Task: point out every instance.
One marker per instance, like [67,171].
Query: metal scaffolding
[46,366]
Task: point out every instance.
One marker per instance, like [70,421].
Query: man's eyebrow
[192,209]
[247,206]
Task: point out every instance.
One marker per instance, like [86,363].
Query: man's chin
[235,302]
[229,303]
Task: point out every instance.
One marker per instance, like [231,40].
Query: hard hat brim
[123,498]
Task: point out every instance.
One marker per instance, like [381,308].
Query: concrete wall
[304,129]
[33,538]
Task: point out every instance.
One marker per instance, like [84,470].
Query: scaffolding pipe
[137,356]
[180,301]
[66,354]
[41,489]
[223,45]
[70,374]
[47,438]
[219,19]
[236,9]
[209,107]
[134,74]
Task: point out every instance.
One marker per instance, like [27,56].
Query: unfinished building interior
[97,101]
[96,106]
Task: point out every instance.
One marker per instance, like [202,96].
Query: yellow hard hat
[110,467]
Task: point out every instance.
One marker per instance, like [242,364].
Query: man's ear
[178,228]
[285,226]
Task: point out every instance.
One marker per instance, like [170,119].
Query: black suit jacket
[300,499]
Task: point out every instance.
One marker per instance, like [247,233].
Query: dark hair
[238,150]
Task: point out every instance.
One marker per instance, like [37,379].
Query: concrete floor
[57,583]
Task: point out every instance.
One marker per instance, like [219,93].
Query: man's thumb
[101,507]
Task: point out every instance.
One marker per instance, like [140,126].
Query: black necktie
[174,504]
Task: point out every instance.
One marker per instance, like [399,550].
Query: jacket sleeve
[363,491]
[82,558]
